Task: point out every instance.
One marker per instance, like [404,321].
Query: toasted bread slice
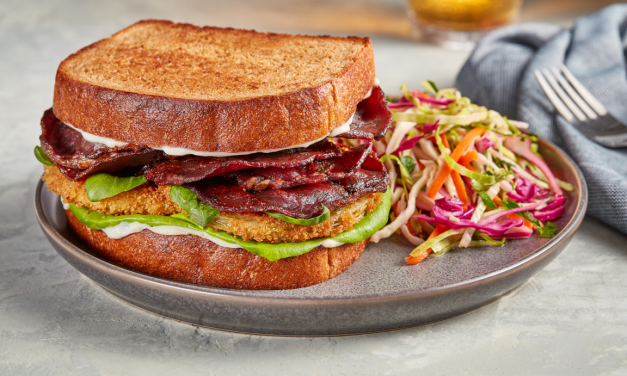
[192,259]
[211,89]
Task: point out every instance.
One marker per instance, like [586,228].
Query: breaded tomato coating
[155,200]
[145,199]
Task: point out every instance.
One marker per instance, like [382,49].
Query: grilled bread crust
[211,89]
[192,259]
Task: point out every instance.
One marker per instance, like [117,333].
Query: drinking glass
[459,24]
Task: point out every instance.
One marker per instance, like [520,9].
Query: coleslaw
[463,176]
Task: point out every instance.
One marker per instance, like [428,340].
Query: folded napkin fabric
[499,75]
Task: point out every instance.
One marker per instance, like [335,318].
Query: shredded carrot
[468,166]
[459,187]
[468,157]
[445,141]
[413,260]
[422,167]
[526,223]
[455,155]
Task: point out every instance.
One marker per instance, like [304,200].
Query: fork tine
[569,102]
[561,108]
[573,94]
[585,94]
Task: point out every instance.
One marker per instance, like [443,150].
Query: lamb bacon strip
[303,201]
[78,158]
[190,169]
[372,118]
[259,179]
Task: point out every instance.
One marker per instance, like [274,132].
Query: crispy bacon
[372,118]
[259,179]
[303,201]
[189,169]
[78,158]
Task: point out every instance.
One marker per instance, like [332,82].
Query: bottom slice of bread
[192,259]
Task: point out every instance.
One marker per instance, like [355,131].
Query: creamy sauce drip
[183,151]
[127,228]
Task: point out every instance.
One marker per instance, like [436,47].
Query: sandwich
[216,156]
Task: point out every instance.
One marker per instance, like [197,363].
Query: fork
[577,108]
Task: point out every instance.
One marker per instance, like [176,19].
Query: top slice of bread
[212,89]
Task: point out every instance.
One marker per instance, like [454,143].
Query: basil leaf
[434,86]
[41,156]
[409,163]
[510,204]
[406,177]
[548,231]
[103,185]
[198,211]
[487,200]
[303,222]
[371,223]
[502,164]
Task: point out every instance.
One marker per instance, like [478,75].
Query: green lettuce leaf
[99,221]
[371,223]
[198,211]
[103,185]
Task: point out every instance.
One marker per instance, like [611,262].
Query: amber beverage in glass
[459,24]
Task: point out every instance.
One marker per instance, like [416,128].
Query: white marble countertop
[569,319]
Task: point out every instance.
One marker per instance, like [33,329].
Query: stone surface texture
[570,319]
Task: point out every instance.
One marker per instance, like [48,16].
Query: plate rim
[248,295]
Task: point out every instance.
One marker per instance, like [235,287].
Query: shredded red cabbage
[408,144]
[523,148]
[427,99]
[484,143]
[526,191]
[445,208]
[518,232]
[553,210]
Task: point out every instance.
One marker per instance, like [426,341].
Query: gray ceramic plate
[377,293]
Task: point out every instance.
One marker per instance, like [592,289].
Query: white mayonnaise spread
[102,140]
[182,151]
[376,83]
[126,228]
[330,243]
[65,206]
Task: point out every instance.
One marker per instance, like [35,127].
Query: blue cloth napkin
[499,75]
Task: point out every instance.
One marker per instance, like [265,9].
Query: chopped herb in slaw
[463,176]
